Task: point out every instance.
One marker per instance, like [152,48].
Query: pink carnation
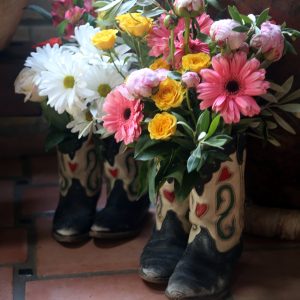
[140,83]
[190,79]
[123,116]
[158,38]
[269,41]
[229,88]
[195,46]
[221,32]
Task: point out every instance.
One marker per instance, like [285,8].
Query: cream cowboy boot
[80,185]
[125,212]
[216,215]
[169,237]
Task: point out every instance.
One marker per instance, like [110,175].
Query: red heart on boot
[169,195]
[113,172]
[73,166]
[201,209]
[224,175]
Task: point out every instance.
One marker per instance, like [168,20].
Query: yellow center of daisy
[104,89]
[69,82]
[88,116]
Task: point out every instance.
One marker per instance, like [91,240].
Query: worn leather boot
[169,237]
[80,185]
[124,213]
[216,215]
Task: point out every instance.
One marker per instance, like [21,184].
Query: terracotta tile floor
[34,267]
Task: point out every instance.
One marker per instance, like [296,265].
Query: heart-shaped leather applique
[170,196]
[201,209]
[73,166]
[224,175]
[113,172]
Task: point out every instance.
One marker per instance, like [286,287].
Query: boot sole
[113,235]
[156,280]
[71,238]
[220,296]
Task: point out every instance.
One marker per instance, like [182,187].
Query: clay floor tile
[6,282]
[93,256]
[268,274]
[124,286]
[13,245]
[6,203]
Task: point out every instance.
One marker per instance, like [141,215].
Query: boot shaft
[219,205]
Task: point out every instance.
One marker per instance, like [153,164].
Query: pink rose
[221,32]
[140,83]
[190,5]
[190,79]
[269,41]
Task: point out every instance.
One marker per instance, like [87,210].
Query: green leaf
[273,141]
[151,182]
[292,107]
[62,27]
[281,122]
[276,87]
[58,121]
[291,97]
[186,128]
[241,29]
[263,17]
[41,11]
[109,6]
[271,125]
[188,182]
[246,20]
[218,141]
[142,180]
[194,159]
[143,143]
[126,7]
[286,87]
[269,97]
[203,122]
[215,4]
[174,75]
[153,13]
[53,139]
[159,150]
[290,48]
[234,13]
[213,126]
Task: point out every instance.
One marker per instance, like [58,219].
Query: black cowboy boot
[80,185]
[169,237]
[216,215]
[125,212]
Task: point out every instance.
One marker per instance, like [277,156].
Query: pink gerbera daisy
[123,116]
[229,88]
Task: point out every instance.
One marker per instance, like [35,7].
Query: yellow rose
[135,24]
[195,62]
[105,39]
[162,126]
[160,64]
[170,94]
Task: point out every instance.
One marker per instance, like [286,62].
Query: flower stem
[172,48]
[187,22]
[113,61]
[188,102]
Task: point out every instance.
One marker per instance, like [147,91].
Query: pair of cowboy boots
[81,174]
[196,242]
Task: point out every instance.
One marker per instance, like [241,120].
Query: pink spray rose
[221,32]
[269,41]
[190,79]
[140,83]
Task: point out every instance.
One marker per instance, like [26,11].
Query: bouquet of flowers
[199,84]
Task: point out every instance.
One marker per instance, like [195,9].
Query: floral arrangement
[162,77]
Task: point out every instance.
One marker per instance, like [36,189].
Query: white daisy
[100,80]
[61,83]
[37,61]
